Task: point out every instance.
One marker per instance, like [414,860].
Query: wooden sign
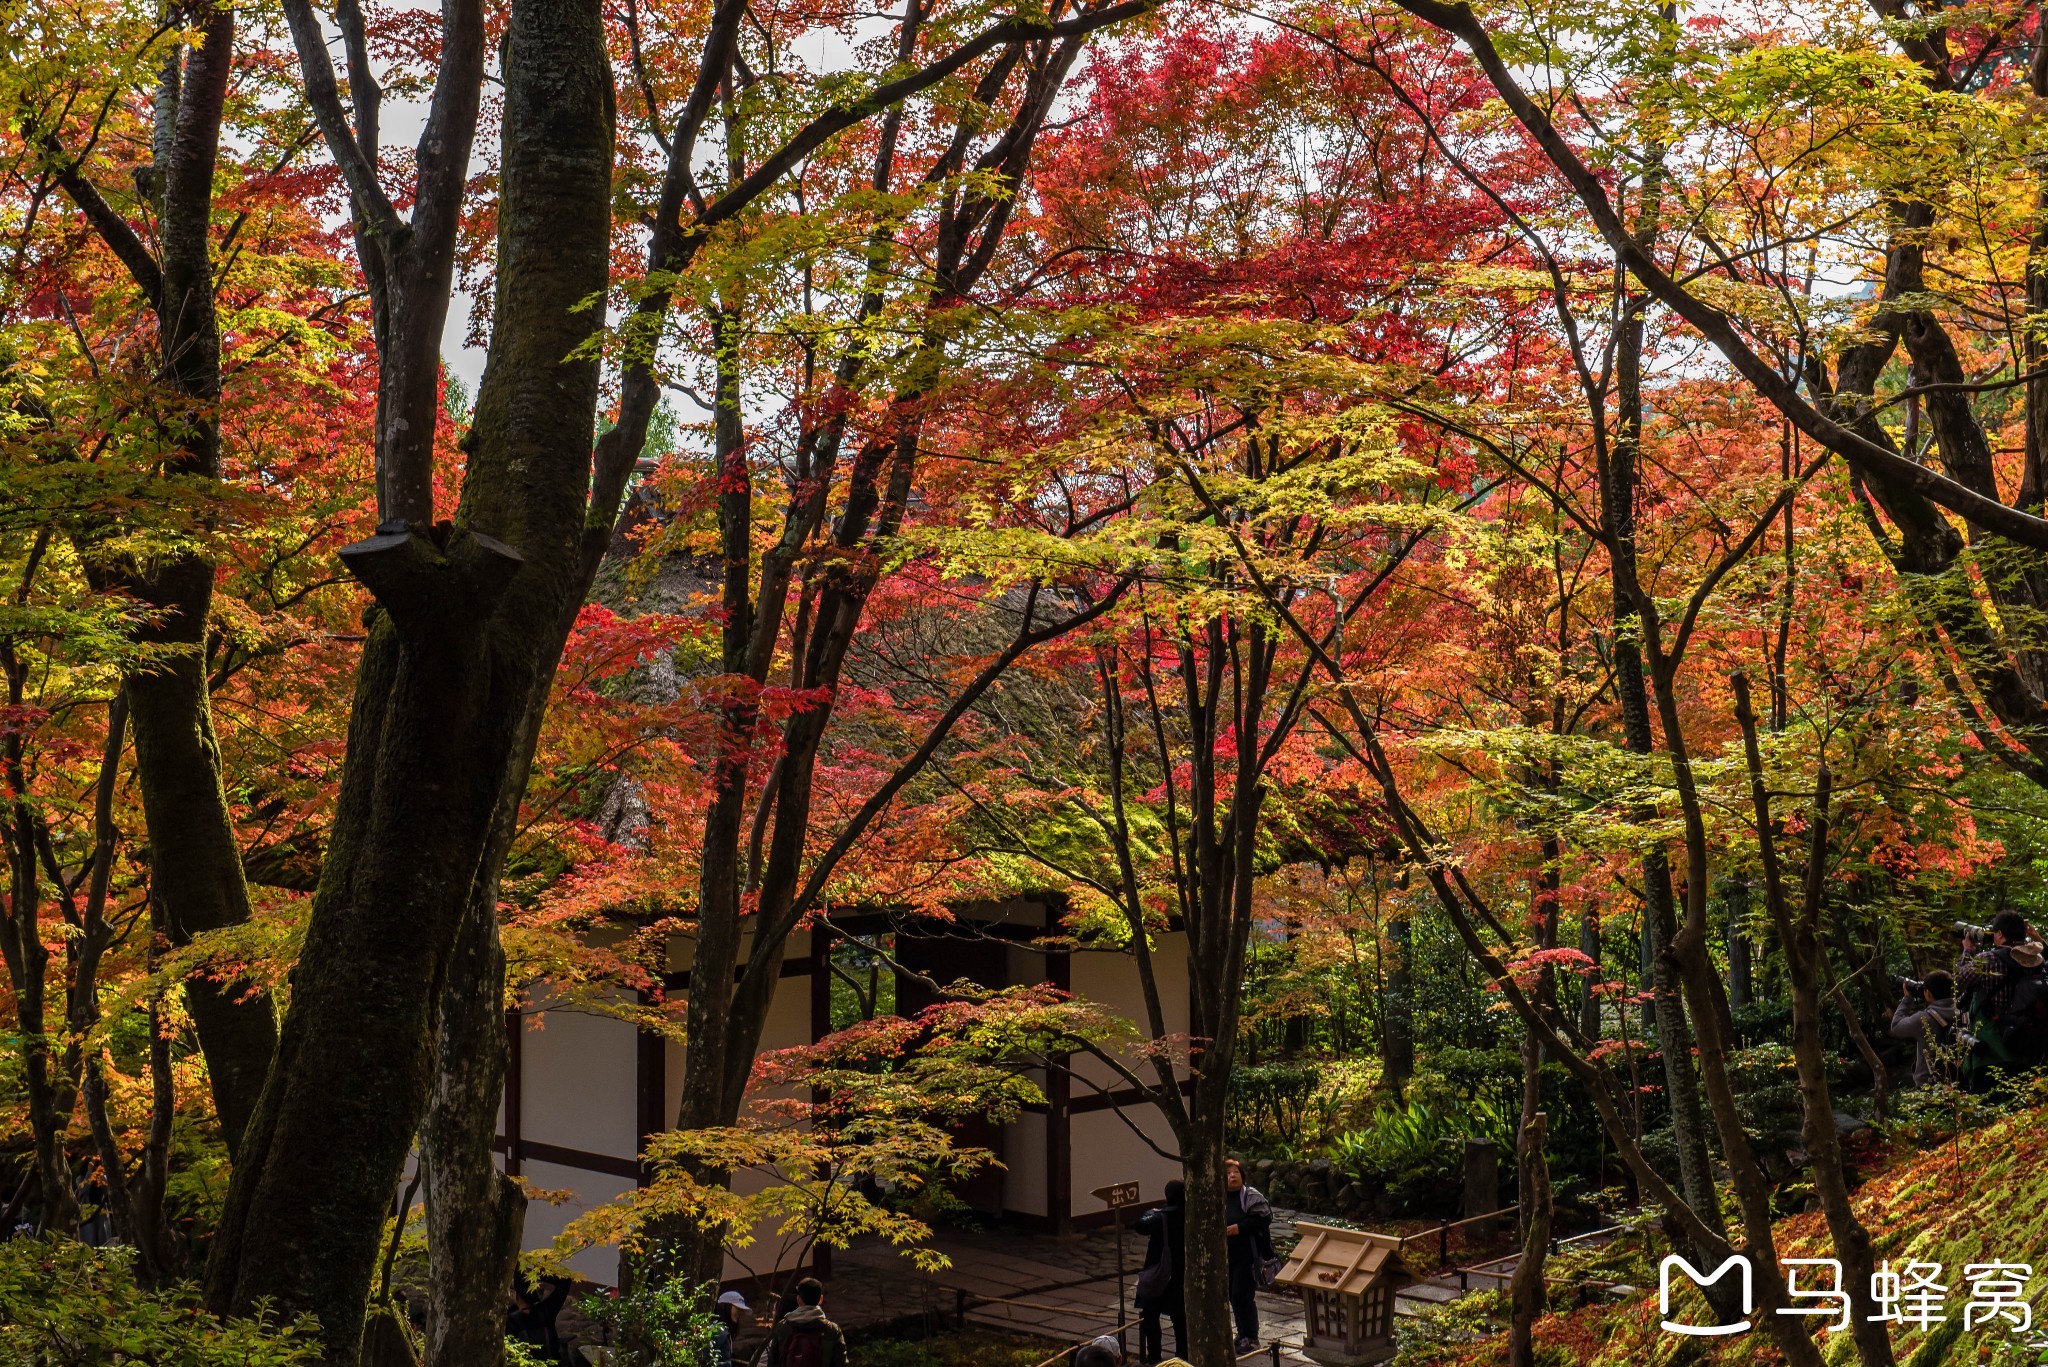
[1117,1195]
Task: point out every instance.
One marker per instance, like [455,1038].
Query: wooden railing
[1443,1232]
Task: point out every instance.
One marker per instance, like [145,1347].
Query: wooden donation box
[1347,1279]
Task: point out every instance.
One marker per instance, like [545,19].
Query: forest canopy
[1502,547]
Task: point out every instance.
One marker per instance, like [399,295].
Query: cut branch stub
[430,591]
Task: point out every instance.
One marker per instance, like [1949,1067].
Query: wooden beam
[1059,1095]
[650,1091]
[515,1031]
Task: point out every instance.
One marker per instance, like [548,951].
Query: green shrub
[63,1304]
[1415,1152]
[656,1324]
[519,1354]
[1766,1083]
[1270,1101]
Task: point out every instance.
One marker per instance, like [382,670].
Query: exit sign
[1117,1195]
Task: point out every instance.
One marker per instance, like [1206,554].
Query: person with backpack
[1248,1236]
[2005,989]
[1159,1285]
[1926,1015]
[804,1337]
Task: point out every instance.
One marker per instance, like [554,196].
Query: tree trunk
[1741,984]
[734,974]
[192,839]
[1802,946]
[1526,1294]
[1589,1000]
[475,1213]
[196,862]
[458,643]
[43,1074]
[1398,1008]
[387,1339]
[1660,921]
[1205,1280]
[1707,999]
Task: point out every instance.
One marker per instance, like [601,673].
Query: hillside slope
[1976,1198]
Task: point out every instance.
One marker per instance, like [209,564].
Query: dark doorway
[946,956]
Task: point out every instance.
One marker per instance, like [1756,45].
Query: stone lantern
[1347,1279]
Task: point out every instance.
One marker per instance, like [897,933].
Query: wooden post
[1122,1343]
[515,1068]
[1482,1185]
[1059,1097]
[650,1091]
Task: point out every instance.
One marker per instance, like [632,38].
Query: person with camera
[1926,1015]
[2000,981]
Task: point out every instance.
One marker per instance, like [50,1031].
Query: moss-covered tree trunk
[195,861]
[1525,1293]
[475,1213]
[1799,934]
[1209,1325]
[1618,491]
[459,640]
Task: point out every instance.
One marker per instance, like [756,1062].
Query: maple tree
[988,460]
[1215,329]
[406,869]
[137,610]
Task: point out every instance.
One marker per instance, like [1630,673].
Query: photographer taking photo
[2005,989]
[1926,1015]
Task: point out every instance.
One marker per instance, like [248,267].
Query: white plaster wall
[1027,967]
[769,1252]
[1024,1159]
[1110,980]
[789,1014]
[577,1083]
[579,1090]
[1105,1151]
[586,1190]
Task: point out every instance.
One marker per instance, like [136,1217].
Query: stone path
[1064,1290]
[1060,1289]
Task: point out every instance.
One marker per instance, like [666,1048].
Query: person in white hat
[728,1309]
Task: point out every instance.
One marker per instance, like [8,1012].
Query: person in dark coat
[1247,1229]
[1165,1231]
[1928,1018]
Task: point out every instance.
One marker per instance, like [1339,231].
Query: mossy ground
[1979,1196]
[974,1348]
